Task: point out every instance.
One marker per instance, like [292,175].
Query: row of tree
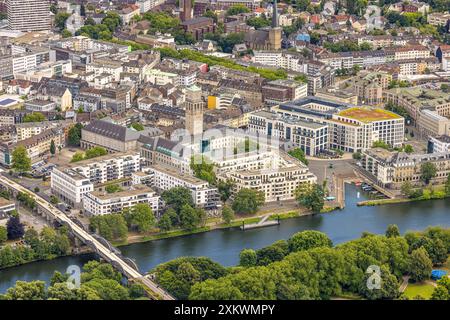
[307,266]
[47,244]
[98,281]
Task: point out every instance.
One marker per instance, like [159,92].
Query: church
[268,38]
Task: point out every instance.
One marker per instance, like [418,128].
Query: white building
[73,181]
[28,15]
[164,178]
[102,202]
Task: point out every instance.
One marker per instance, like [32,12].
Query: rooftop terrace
[368,115]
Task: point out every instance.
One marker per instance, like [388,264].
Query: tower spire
[275,15]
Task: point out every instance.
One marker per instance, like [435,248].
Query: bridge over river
[102,247]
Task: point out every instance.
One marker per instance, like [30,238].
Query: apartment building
[438,18]
[73,181]
[165,178]
[369,86]
[276,183]
[37,146]
[407,52]
[414,99]
[102,67]
[102,202]
[392,169]
[29,129]
[28,15]
[430,123]
[311,137]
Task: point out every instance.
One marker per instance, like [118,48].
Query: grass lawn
[415,289]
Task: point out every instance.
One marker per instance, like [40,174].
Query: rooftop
[368,115]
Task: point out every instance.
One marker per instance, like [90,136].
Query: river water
[224,246]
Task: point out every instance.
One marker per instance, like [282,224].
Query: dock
[262,223]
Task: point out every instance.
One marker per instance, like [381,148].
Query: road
[101,249]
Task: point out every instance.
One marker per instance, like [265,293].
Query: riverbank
[217,226]
[379,202]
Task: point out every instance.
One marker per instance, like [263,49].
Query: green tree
[420,265]
[428,171]
[15,228]
[77,156]
[95,152]
[225,189]
[407,189]
[140,217]
[60,19]
[392,231]
[408,148]
[311,196]
[227,214]
[165,222]
[52,147]
[21,162]
[248,201]
[388,290]
[247,258]
[74,135]
[178,197]
[202,169]
[440,293]
[189,217]
[66,33]
[306,240]
[447,185]
[113,188]
[3,234]
[34,290]
[236,9]
[298,154]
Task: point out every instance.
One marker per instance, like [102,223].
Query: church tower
[275,30]
[187,10]
[194,110]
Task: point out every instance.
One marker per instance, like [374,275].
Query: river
[224,245]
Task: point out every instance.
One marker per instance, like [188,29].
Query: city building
[194,106]
[72,181]
[28,15]
[311,137]
[102,202]
[439,144]
[164,178]
[392,169]
[112,137]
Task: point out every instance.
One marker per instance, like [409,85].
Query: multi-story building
[282,91]
[369,86]
[356,129]
[112,137]
[276,183]
[311,137]
[414,99]
[102,202]
[164,178]
[22,62]
[73,181]
[29,15]
[37,147]
[350,128]
[392,169]
[29,129]
[430,123]
[40,105]
[439,144]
